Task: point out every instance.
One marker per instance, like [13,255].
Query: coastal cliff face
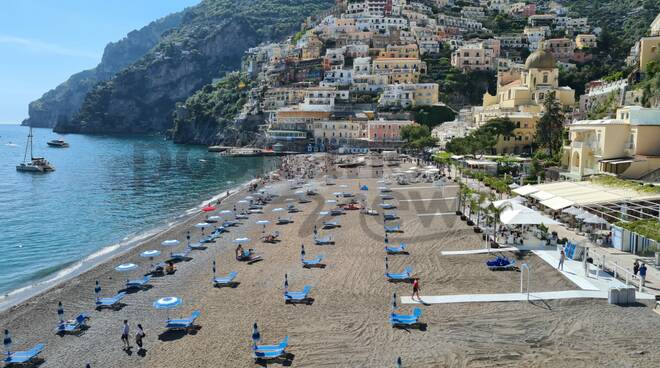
[64,101]
[209,43]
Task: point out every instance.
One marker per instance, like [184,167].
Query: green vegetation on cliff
[210,42]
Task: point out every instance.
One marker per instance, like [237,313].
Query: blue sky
[43,42]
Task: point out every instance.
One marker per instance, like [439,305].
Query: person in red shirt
[416,288]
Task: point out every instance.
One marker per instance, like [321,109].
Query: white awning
[542,195]
[557,203]
[525,190]
[525,216]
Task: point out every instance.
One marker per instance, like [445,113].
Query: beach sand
[347,323]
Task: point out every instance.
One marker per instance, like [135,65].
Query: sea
[106,195]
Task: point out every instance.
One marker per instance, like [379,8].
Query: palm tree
[464,193]
[496,211]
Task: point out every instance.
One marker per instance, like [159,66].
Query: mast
[28,145]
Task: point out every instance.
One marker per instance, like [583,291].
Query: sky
[43,42]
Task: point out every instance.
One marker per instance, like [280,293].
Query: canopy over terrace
[586,193]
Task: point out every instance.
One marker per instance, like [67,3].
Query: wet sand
[347,323]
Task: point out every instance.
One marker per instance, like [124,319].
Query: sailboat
[36,164]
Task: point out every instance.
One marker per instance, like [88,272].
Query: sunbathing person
[170,268]
[239,251]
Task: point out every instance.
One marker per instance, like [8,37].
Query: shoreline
[75,269]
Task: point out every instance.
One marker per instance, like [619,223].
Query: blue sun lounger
[229,223]
[225,280]
[403,276]
[323,241]
[184,323]
[73,326]
[23,357]
[138,283]
[281,346]
[110,302]
[198,246]
[387,216]
[386,197]
[396,250]
[242,216]
[500,263]
[316,262]
[297,296]
[387,206]
[393,229]
[384,189]
[180,256]
[405,319]
[330,224]
[270,351]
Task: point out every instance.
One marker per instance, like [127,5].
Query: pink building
[386,130]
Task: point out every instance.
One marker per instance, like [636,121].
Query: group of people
[639,270]
[139,336]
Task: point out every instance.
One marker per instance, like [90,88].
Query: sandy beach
[347,323]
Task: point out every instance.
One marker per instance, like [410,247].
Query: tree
[417,136]
[500,127]
[549,130]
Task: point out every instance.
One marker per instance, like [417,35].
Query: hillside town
[356,77]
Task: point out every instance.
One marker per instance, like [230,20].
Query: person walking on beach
[642,275]
[416,288]
[635,267]
[562,256]
[139,335]
[124,336]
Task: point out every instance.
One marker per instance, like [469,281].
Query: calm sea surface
[105,191]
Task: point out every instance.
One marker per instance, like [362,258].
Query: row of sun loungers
[23,357]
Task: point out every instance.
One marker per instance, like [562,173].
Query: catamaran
[36,164]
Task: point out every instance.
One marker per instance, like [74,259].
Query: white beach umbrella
[170,243]
[241,240]
[150,253]
[525,216]
[330,201]
[215,218]
[126,267]
[167,303]
[278,209]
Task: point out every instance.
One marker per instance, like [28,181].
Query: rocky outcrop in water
[63,102]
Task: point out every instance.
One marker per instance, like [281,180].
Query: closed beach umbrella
[213,269]
[302,250]
[167,303]
[256,336]
[97,289]
[386,265]
[60,311]
[394,301]
[126,267]
[7,342]
[278,209]
[170,243]
[286,282]
[241,240]
[398,363]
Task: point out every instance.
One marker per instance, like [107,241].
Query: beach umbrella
[286,282]
[264,223]
[398,363]
[386,265]
[208,208]
[256,336]
[7,342]
[324,213]
[299,192]
[60,311]
[243,201]
[170,243]
[126,267]
[241,240]
[343,186]
[278,209]
[202,225]
[150,253]
[249,198]
[225,212]
[167,303]
[214,218]
[214,269]
[330,201]
[394,302]
[302,250]
[289,200]
[337,194]
[593,219]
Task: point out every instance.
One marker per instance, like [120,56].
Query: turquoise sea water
[105,191]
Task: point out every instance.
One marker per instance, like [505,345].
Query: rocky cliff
[63,102]
[210,42]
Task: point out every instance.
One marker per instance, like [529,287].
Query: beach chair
[386,197]
[184,323]
[385,190]
[284,221]
[72,326]
[397,320]
[112,302]
[281,346]
[268,352]
[326,240]
[336,212]
[401,249]
[406,275]
[258,210]
[256,207]
[271,238]
[303,200]
[330,225]
[242,216]
[310,263]
[230,223]
[138,283]
[23,357]
[387,206]
[393,229]
[292,209]
[201,245]
[298,296]
[180,256]
[501,263]
[389,216]
[225,280]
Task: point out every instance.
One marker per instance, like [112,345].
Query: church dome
[540,59]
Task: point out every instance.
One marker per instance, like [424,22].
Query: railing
[524,267]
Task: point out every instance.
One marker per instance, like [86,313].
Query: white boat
[35,164]
[57,143]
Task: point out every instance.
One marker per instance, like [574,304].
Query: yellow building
[312,48]
[410,51]
[649,50]
[586,41]
[628,146]
[400,70]
[522,100]
[336,132]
